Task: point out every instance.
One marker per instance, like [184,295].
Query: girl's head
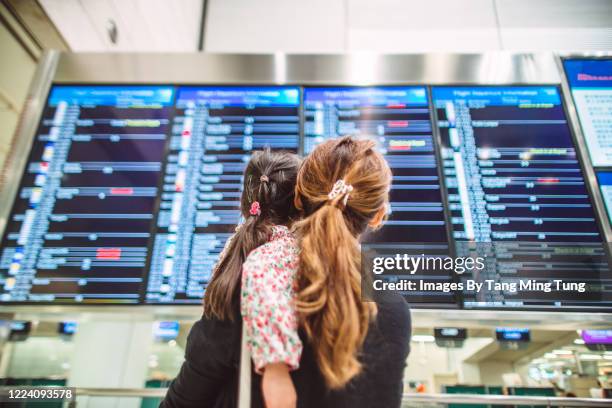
[342,188]
[267,200]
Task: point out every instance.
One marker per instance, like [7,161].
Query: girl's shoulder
[282,248]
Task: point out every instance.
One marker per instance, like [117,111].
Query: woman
[354,352]
[360,348]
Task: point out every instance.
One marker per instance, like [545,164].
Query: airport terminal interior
[124,131]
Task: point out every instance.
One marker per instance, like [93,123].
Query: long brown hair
[329,300]
[269,179]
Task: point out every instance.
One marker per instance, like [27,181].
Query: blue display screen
[591,86]
[514,181]
[67,328]
[241,96]
[510,334]
[111,95]
[20,326]
[132,189]
[80,225]
[166,330]
[519,96]
[214,131]
[398,119]
[589,73]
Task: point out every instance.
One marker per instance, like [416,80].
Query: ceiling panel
[143,25]
[332,26]
[557,39]
[420,15]
[407,26]
[267,26]
[562,25]
[554,13]
[73,23]
[408,41]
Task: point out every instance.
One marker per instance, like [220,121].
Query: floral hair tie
[340,189]
[255,208]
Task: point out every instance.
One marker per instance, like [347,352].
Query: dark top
[209,375]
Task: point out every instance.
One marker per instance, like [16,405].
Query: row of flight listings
[130,192]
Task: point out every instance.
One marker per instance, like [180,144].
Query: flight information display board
[81,222]
[130,192]
[398,119]
[213,134]
[514,180]
[605,186]
[590,81]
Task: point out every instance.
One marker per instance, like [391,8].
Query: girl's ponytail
[266,200]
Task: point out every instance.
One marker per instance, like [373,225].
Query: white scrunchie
[340,189]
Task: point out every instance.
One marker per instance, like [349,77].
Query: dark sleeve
[383,359]
[396,326]
[210,364]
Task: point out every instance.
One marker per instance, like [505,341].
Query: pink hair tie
[255,208]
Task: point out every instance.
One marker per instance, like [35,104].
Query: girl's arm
[268,311]
[277,388]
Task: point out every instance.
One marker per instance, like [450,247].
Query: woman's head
[342,188]
[356,163]
[266,200]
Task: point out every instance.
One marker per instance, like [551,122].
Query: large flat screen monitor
[516,190]
[131,191]
[590,81]
[80,226]
[398,119]
[214,131]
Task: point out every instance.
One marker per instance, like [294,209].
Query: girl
[267,249]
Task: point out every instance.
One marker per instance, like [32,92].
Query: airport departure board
[590,81]
[81,223]
[130,192]
[213,134]
[514,181]
[399,120]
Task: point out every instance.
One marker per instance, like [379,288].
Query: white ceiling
[143,25]
[329,26]
[315,26]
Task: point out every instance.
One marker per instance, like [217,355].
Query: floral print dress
[267,301]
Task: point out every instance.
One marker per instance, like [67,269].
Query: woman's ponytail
[341,187]
[330,295]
